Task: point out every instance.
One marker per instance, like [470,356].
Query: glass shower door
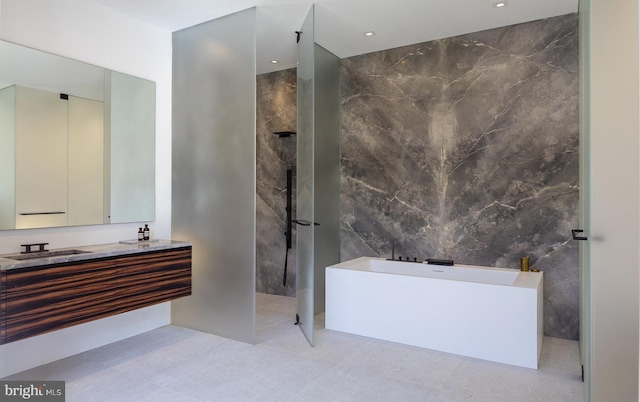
[584,224]
[305,180]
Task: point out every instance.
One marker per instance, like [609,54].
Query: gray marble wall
[466,148]
[276,111]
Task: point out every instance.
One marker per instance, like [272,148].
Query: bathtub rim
[531,280]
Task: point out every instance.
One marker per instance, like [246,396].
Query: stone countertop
[90,253]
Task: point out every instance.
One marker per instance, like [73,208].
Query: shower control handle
[303,222]
[574,235]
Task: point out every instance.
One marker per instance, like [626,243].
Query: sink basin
[45,254]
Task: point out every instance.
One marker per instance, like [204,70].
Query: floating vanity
[487,313]
[43,292]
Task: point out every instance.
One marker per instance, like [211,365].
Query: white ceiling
[340,24]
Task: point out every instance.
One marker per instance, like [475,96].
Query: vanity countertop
[89,253]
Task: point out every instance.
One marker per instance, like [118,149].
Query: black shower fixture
[288,234]
[284,134]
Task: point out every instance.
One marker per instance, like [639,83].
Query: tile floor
[178,364]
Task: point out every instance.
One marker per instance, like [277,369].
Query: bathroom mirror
[77,142]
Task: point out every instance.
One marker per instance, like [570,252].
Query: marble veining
[466,148]
[92,252]
[276,111]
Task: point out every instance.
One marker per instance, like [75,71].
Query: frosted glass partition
[305,180]
[214,168]
[318,183]
[132,116]
[585,263]
[327,168]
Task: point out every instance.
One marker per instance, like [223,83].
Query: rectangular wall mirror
[77,142]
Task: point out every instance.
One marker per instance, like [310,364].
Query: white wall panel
[85,161]
[613,297]
[89,32]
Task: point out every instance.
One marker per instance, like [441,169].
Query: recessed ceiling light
[500,4]
[274,61]
[369,33]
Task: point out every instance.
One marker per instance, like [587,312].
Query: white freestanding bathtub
[487,313]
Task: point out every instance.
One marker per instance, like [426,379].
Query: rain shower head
[283,134]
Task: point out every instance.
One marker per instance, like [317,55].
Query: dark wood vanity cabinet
[41,299]
[3,307]
[46,298]
[146,279]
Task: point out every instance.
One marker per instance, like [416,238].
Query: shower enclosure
[214,174]
[314,175]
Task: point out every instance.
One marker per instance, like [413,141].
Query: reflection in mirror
[77,142]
